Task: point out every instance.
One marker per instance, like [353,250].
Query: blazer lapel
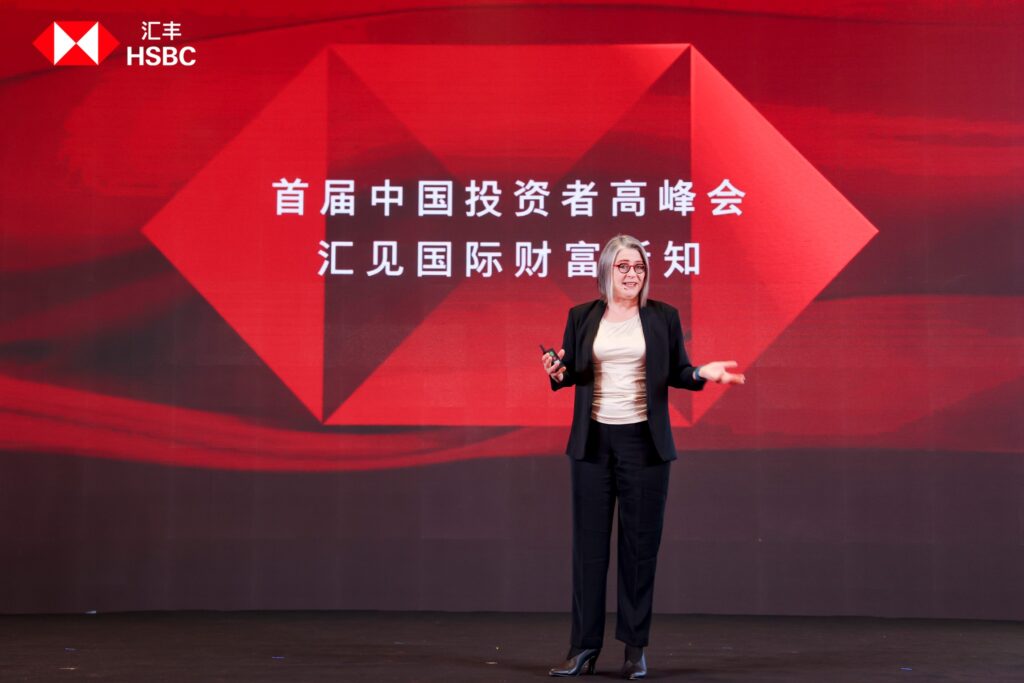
[590,326]
[645,324]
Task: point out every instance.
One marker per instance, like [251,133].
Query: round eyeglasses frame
[639,269]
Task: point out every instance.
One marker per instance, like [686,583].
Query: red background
[871,466]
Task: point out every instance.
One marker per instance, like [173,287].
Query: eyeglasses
[639,268]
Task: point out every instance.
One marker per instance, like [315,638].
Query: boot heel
[582,663]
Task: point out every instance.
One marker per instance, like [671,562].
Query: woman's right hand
[554,368]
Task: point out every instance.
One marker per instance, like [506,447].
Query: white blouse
[620,373]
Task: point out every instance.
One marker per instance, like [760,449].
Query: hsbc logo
[75,43]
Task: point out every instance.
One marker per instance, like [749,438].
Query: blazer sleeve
[569,344]
[680,371]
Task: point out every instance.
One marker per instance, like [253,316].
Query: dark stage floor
[432,646]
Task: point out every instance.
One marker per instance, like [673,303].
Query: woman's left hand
[718,371]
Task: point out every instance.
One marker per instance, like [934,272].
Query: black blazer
[667,366]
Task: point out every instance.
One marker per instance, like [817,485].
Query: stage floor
[438,646]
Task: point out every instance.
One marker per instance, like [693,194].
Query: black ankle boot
[635,666]
[582,662]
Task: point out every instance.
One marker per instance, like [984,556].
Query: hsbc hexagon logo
[640,111]
[75,43]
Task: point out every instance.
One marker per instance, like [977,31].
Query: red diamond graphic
[796,233]
[462,351]
[254,268]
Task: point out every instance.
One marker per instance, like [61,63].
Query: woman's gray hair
[607,262]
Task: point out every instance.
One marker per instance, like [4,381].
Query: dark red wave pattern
[920,373]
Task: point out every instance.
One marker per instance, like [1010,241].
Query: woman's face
[627,285]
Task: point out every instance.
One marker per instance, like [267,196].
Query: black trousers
[622,463]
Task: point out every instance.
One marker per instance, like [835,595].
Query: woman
[622,352]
